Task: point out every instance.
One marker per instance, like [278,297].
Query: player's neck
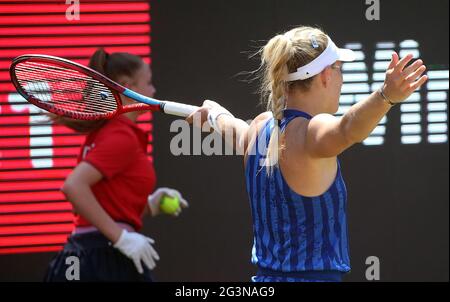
[312,102]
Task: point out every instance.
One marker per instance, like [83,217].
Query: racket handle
[178,109]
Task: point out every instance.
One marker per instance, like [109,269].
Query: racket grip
[178,109]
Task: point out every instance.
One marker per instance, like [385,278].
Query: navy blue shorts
[99,261]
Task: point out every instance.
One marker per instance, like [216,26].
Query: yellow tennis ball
[169,205]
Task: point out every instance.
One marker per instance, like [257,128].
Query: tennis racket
[68,89]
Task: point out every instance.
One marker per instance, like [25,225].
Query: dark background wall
[398,194]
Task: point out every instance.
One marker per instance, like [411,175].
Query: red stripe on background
[73,41]
[4,65]
[20,119]
[67,52]
[30,185]
[36,229]
[35,174]
[145,117]
[35,207]
[12,120]
[84,1]
[23,250]
[132,29]
[25,153]
[68,140]
[26,130]
[25,142]
[9,87]
[27,163]
[146,126]
[4,76]
[31,197]
[84,19]
[62,8]
[32,240]
[36,218]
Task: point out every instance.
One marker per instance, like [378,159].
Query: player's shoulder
[255,128]
[321,120]
[262,117]
[324,117]
[260,120]
[116,131]
[257,124]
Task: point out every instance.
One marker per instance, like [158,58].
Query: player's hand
[203,111]
[402,81]
[154,200]
[138,248]
[209,112]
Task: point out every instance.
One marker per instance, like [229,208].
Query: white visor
[330,55]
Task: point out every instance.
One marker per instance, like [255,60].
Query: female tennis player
[294,181]
[110,187]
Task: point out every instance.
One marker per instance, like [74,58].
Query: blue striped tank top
[296,238]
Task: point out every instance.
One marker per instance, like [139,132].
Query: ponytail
[282,55]
[99,60]
[275,56]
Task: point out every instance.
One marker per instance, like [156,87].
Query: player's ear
[325,76]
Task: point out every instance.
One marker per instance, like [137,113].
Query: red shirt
[118,151]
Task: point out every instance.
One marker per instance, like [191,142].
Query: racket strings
[40,90]
[67,97]
[65,89]
[73,88]
[90,89]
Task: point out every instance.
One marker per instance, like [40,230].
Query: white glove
[138,248]
[154,200]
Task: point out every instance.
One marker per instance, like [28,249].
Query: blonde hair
[284,54]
